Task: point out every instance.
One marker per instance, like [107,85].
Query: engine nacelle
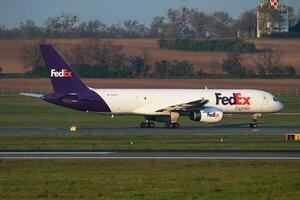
[207,115]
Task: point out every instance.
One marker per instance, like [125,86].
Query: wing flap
[185,106]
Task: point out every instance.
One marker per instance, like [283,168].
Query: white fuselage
[150,101]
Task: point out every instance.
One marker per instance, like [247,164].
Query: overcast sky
[12,12]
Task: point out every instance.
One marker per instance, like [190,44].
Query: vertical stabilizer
[62,76]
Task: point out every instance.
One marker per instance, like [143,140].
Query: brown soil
[11,62]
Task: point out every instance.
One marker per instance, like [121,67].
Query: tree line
[227,45]
[268,65]
[94,58]
[179,23]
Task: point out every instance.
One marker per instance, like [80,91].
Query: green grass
[151,179]
[162,142]
[20,111]
[138,179]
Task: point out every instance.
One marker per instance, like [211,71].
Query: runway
[201,130]
[158,155]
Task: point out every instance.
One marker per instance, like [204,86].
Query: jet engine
[207,115]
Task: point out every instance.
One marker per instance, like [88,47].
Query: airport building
[272,17]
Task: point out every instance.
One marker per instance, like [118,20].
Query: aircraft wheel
[168,125]
[172,125]
[147,125]
[253,125]
[151,125]
[144,125]
[175,125]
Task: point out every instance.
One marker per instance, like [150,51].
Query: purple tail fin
[63,78]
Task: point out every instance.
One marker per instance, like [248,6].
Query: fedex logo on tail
[64,73]
[235,99]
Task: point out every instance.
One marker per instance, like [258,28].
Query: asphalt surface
[203,130]
[158,155]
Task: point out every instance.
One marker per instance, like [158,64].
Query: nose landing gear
[253,125]
[254,120]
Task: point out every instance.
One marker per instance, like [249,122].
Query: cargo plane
[156,105]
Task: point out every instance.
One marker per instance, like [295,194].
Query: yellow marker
[73,128]
[293,136]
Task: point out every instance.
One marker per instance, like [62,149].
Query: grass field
[11,61]
[143,179]
[138,179]
[147,142]
[152,179]
[26,112]
[20,111]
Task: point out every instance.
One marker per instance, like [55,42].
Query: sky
[12,12]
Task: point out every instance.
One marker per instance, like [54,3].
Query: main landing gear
[170,121]
[147,125]
[175,125]
[254,120]
[173,121]
[168,125]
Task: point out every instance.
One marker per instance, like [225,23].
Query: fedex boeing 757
[156,105]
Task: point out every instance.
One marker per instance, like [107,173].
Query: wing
[32,95]
[185,106]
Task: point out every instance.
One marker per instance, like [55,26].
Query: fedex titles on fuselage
[214,114]
[64,73]
[235,99]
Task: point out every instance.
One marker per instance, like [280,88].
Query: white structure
[265,24]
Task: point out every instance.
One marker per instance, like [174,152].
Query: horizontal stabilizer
[32,95]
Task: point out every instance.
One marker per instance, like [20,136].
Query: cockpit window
[275,99]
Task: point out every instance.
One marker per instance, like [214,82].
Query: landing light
[73,129]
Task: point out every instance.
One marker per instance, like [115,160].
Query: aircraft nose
[280,106]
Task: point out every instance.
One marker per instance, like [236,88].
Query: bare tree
[32,58]
[179,22]
[157,26]
[247,23]
[92,28]
[61,25]
[268,59]
[134,28]
[30,54]
[198,23]
[30,29]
